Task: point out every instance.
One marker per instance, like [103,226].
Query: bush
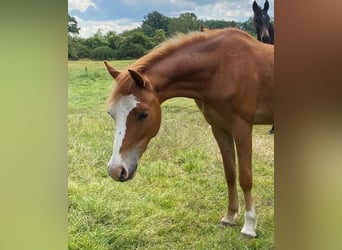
[102,53]
[83,52]
[133,44]
[130,51]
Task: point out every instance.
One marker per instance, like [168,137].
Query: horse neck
[185,73]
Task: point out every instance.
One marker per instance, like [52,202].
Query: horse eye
[142,115]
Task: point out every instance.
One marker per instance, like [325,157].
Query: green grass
[177,198]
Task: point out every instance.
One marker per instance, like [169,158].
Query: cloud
[237,11]
[81,5]
[89,28]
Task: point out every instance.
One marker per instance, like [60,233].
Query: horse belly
[264,108]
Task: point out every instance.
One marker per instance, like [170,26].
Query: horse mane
[124,81]
[168,47]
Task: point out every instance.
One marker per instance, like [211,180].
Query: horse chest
[214,116]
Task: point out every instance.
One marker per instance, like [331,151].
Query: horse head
[262,22]
[137,115]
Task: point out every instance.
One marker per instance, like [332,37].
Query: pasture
[179,195]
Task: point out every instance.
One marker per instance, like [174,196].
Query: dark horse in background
[264,28]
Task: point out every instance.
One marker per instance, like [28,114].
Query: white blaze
[120,111]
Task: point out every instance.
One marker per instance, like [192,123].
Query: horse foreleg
[226,145]
[242,131]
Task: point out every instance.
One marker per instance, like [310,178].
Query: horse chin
[132,173]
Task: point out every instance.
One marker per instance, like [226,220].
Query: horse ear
[255,6]
[113,72]
[138,79]
[266,5]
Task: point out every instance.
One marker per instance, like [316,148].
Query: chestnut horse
[227,72]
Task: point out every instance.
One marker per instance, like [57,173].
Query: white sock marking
[250,223]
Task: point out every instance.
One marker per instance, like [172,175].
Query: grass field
[177,198]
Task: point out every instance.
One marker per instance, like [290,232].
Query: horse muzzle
[121,173]
[265,35]
[266,39]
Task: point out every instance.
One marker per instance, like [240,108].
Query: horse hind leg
[243,140]
[226,145]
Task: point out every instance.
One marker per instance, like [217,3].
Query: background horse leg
[243,139]
[226,145]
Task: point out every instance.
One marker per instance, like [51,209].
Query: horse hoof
[227,224]
[248,236]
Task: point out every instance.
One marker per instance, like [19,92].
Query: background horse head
[262,23]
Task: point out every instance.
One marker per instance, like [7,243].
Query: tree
[185,23]
[72,25]
[83,51]
[102,53]
[219,24]
[112,38]
[133,44]
[189,22]
[159,37]
[73,40]
[96,40]
[72,48]
[154,21]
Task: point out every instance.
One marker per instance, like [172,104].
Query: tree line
[135,43]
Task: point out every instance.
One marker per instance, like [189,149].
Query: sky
[120,15]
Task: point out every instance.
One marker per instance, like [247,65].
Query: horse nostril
[123,175]
[266,39]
